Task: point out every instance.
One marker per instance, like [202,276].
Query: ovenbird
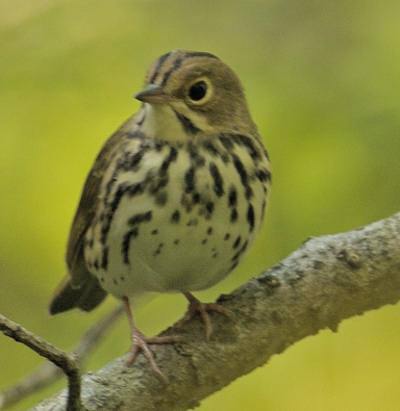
[175,196]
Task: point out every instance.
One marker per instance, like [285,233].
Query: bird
[174,198]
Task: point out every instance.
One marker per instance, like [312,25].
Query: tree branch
[47,373]
[60,358]
[325,281]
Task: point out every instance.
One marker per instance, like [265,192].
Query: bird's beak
[153,94]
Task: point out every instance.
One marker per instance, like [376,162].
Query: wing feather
[80,288]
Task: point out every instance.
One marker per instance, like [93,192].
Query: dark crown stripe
[158,67]
[177,63]
[180,59]
[192,54]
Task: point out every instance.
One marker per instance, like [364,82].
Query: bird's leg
[141,343]
[197,307]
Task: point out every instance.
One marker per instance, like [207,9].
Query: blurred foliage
[322,79]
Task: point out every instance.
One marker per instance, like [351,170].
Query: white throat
[161,122]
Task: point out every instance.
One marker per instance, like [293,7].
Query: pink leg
[141,342]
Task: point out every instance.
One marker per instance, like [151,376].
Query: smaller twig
[60,358]
[47,373]
[96,332]
[43,376]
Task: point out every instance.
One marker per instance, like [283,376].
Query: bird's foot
[196,307]
[141,343]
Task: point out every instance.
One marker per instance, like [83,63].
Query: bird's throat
[161,122]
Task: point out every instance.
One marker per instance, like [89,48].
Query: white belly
[175,245]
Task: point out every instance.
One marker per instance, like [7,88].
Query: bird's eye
[198,91]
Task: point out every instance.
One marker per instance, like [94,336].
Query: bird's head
[189,93]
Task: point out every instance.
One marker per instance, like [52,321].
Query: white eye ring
[200,91]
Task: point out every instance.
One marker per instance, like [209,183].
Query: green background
[322,80]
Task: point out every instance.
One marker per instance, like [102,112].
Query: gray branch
[48,372]
[61,359]
[325,281]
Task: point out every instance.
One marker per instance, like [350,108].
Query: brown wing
[80,288]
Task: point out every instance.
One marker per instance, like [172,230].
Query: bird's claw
[196,307]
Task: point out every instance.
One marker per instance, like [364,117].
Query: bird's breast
[177,217]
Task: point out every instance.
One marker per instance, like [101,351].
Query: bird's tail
[86,296]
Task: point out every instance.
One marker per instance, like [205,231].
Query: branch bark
[48,372]
[326,280]
[60,358]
